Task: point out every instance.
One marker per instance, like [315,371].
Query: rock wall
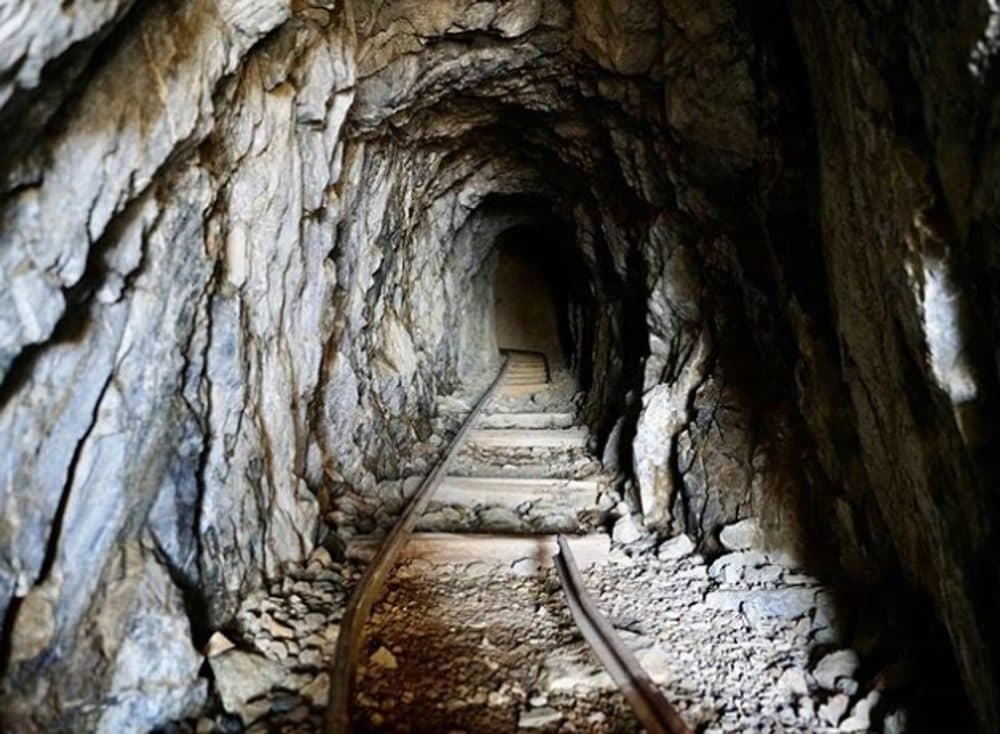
[907,135]
[201,322]
[245,244]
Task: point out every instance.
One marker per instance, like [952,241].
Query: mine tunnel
[514,365]
[530,296]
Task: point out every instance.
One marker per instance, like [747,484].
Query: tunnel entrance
[530,298]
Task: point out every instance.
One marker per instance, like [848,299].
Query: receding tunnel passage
[530,295]
[320,321]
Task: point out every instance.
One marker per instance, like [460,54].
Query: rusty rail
[650,706]
[337,719]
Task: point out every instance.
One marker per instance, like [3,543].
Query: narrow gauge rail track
[652,709]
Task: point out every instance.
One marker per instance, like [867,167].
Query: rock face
[246,244]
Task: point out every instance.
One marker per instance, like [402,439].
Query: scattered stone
[793,680]
[384,659]
[768,574]
[657,664]
[321,556]
[390,495]
[628,529]
[276,629]
[525,567]
[739,536]
[272,649]
[731,567]
[453,404]
[860,718]
[310,658]
[318,691]
[825,620]
[834,709]
[606,501]
[501,519]
[496,699]
[676,547]
[725,600]
[788,603]
[241,676]
[477,569]
[848,686]
[570,675]
[411,484]
[833,666]
[217,644]
[539,717]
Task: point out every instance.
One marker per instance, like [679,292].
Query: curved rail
[651,708]
[338,715]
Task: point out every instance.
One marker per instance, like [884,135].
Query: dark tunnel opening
[531,293]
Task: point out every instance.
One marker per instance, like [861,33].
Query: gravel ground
[734,645]
[743,644]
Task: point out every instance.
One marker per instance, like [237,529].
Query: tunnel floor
[473,640]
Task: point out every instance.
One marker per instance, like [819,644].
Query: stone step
[532,376]
[563,438]
[523,389]
[526,366]
[533,358]
[490,548]
[513,492]
[527,420]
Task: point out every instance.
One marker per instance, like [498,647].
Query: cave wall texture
[245,244]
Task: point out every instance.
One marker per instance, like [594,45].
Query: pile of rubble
[744,643]
[269,671]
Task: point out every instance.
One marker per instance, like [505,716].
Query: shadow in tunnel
[779,356]
[530,300]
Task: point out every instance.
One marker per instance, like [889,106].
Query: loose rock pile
[374,509]
[744,644]
[269,671]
